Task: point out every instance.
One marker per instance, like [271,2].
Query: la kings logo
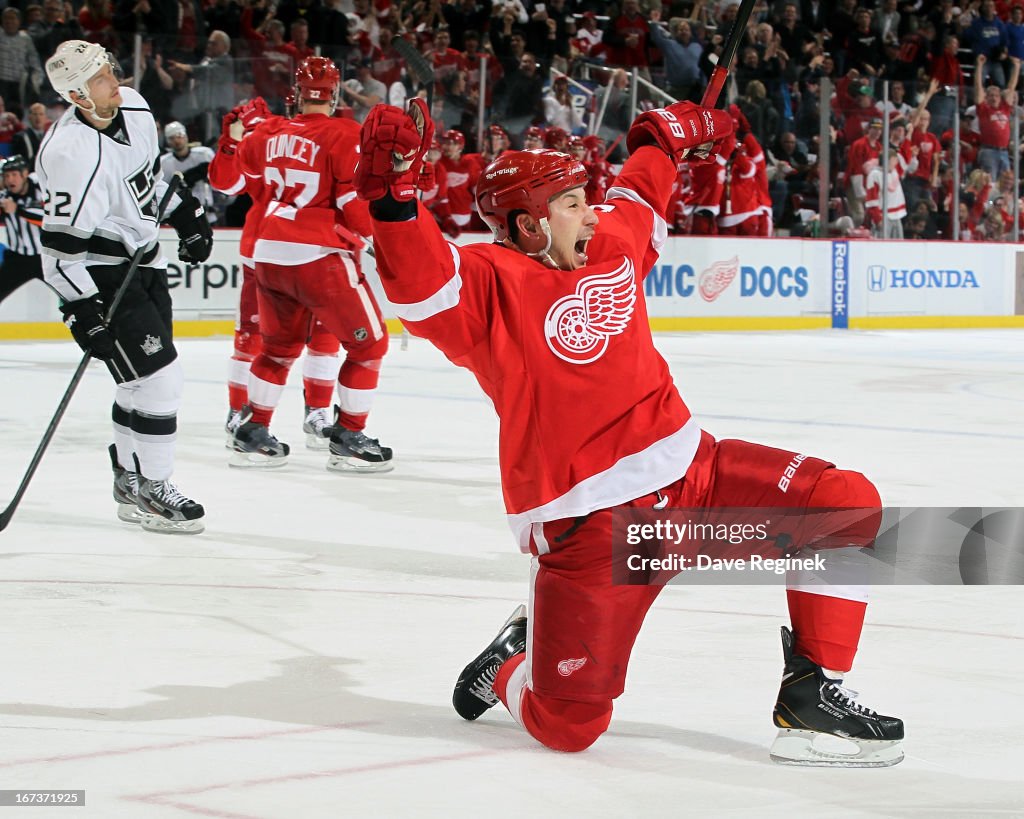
[142,187]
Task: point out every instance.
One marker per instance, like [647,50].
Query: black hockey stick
[418,66]
[732,45]
[8,513]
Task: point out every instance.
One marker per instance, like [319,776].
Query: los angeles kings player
[98,165]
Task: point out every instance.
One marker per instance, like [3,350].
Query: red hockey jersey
[462,178]
[589,414]
[307,163]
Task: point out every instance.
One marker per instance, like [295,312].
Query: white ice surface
[297,659]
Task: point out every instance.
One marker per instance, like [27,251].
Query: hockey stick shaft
[732,45]
[8,513]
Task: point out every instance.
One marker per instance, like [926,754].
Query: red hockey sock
[238,394]
[261,415]
[827,629]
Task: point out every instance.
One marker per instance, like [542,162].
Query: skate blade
[817,749]
[129,513]
[349,465]
[318,442]
[157,523]
[255,460]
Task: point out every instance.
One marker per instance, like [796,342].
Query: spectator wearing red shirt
[995,111]
[387,62]
[299,46]
[923,179]
[97,21]
[589,38]
[472,57]
[272,59]
[945,67]
[445,59]
[627,38]
[856,104]
[862,158]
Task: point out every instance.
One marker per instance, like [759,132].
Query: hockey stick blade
[8,513]
[732,45]
[418,65]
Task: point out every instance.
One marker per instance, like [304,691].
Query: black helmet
[15,163]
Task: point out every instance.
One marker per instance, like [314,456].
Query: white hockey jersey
[197,155]
[102,190]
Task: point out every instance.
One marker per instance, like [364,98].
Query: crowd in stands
[556,69]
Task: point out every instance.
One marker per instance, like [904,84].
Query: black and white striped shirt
[23,225]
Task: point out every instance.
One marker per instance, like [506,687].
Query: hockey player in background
[307,267]
[462,171]
[552,322]
[21,211]
[192,162]
[97,165]
[320,364]
[740,214]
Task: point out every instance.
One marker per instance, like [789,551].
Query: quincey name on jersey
[102,190]
[307,163]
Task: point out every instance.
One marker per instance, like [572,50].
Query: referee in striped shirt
[21,209]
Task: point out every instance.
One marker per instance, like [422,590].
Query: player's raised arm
[438,290]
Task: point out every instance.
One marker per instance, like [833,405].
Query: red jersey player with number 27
[306,256]
[551,320]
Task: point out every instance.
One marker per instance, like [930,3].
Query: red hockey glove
[680,129]
[253,113]
[392,144]
[427,180]
[240,121]
[451,227]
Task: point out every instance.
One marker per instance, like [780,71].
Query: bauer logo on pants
[578,327]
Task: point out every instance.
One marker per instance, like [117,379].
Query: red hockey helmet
[533,132]
[317,79]
[555,137]
[453,136]
[527,181]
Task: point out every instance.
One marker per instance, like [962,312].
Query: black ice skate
[254,446]
[353,452]
[167,510]
[473,693]
[126,490]
[820,723]
[318,427]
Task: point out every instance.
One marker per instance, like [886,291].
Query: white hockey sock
[514,691]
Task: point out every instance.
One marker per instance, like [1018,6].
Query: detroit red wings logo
[578,327]
[716,278]
[567,667]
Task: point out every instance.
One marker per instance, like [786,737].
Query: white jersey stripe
[444,299]
[628,478]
